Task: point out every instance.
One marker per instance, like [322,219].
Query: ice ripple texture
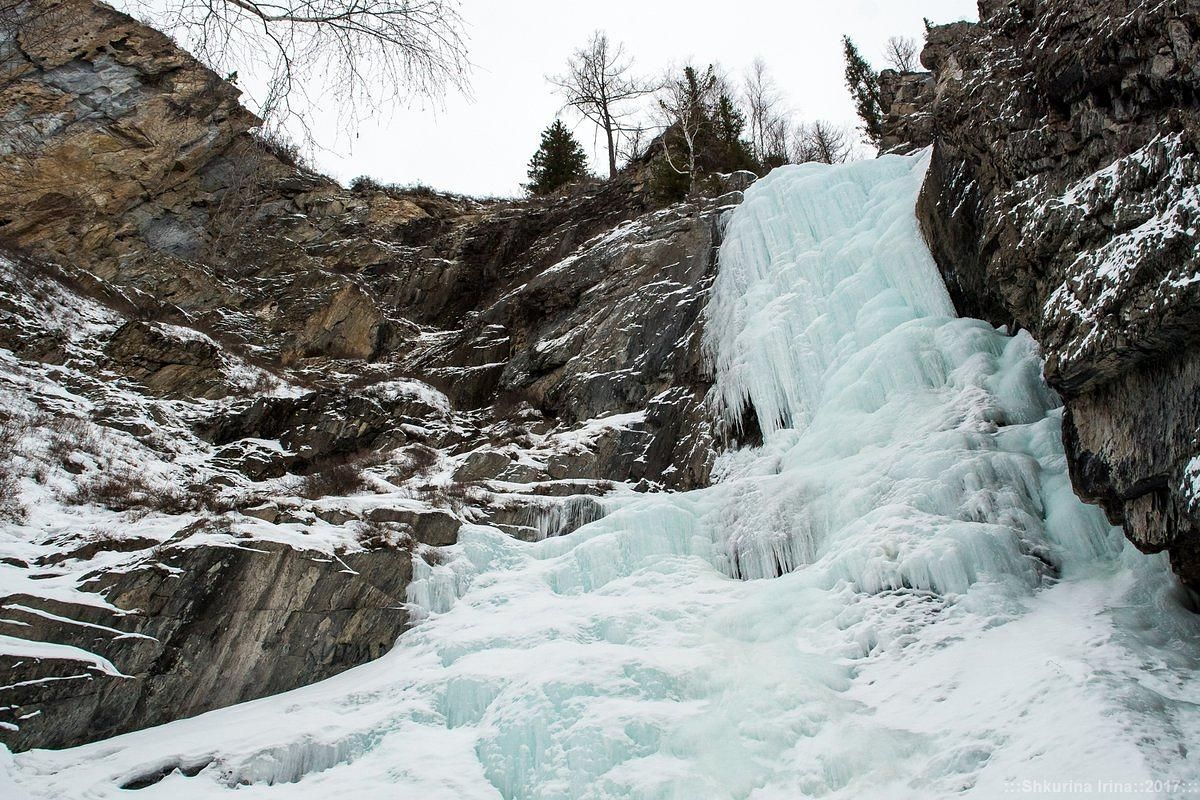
[896,595]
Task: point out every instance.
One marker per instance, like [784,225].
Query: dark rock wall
[907,121]
[1063,198]
[206,627]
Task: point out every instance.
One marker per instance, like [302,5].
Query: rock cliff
[1064,198]
[243,405]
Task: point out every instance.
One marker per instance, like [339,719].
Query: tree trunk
[612,150]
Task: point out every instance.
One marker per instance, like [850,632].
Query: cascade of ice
[905,440]
[813,272]
[944,616]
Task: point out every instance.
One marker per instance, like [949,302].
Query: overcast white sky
[481,145]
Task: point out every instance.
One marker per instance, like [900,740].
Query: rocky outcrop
[348,326]
[254,394]
[107,125]
[612,328]
[904,98]
[191,629]
[174,362]
[134,170]
[320,427]
[1064,197]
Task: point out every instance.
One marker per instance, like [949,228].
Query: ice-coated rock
[1064,198]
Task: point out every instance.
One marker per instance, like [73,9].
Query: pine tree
[558,161]
[729,123]
[863,83]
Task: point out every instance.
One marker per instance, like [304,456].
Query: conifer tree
[558,161]
[729,122]
[863,83]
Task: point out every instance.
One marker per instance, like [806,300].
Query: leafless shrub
[118,489]
[11,507]
[70,435]
[457,495]
[204,497]
[122,489]
[470,491]
[384,535]
[391,536]
[365,184]
[262,383]
[280,146]
[336,481]
[231,217]
[432,556]
[417,459]
[12,431]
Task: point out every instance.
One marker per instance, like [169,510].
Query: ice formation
[896,595]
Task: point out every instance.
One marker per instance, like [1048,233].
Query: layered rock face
[1064,197]
[905,99]
[241,404]
[199,628]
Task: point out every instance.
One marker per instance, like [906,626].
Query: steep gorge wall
[1064,197]
[194,331]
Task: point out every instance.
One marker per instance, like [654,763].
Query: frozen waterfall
[896,595]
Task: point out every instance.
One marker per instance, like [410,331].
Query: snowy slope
[896,595]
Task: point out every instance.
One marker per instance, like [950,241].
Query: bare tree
[778,147]
[599,84]
[769,120]
[901,54]
[821,141]
[365,53]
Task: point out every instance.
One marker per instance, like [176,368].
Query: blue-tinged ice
[896,595]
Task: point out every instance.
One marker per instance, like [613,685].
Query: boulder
[169,361]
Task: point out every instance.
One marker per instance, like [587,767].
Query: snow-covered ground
[897,595]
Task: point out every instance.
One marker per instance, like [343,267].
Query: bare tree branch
[600,86]
[364,53]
